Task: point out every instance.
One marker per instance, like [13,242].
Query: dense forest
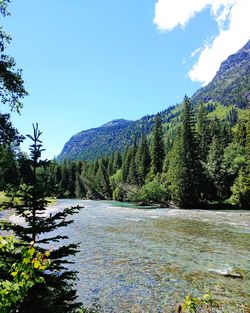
[202,160]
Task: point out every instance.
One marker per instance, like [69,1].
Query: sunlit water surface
[148,260]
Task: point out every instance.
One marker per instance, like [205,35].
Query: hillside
[92,143]
[230,86]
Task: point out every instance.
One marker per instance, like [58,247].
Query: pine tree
[176,174]
[203,132]
[248,137]
[117,163]
[8,168]
[214,165]
[80,191]
[143,159]
[157,149]
[102,180]
[132,177]
[241,186]
[72,179]
[192,173]
[183,164]
[126,164]
[57,294]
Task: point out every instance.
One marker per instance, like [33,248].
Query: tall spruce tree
[202,132]
[190,156]
[157,148]
[126,164]
[143,159]
[117,162]
[176,173]
[57,295]
[132,177]
[183,166]
[241,186]
[102,180]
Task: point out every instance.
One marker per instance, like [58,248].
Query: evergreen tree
[157,149]
[132,177]
[177,170]
[126,164]
[117,163]
[102,180]
[241,189]
[143,159]
[192,167]
[8,168]
[26,174]
[184,167]
[65,180]
[241,186]
[57,294]
[202,132]
[248,137]
[214,165]
[80,190]
[72,169]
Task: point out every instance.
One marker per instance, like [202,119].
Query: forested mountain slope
[93,143]
[231,84]
[230,87]
[113,136]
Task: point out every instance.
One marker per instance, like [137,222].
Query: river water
[147,260]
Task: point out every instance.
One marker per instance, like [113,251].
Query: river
[147,260]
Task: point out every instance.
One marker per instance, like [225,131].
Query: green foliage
[202,132]
[214,165]
[102,180]
[193,304]
[21,268]
[183,163]
[153,192]
[11,82]
[133,177]
[39,228]
[112,137]
[241,189]
[205,155]
[8,134]
[143,159]
[157,148]
[8,168]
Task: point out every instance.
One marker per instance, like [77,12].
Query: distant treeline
[198,162]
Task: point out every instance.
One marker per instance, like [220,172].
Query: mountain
[231,84]
[93,143]
[112,136]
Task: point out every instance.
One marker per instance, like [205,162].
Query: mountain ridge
[230,86]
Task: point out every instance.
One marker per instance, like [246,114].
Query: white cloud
[232,17]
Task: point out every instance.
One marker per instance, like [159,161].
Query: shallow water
[147,260]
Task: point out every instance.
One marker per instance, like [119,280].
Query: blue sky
[88,62]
